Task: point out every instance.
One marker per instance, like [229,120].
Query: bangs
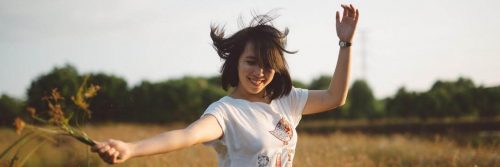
[268,56]
[268,47]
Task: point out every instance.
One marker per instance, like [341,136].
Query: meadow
[353,149]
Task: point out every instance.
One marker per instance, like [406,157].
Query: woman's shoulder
[294,94]
[296,90]
[221,103]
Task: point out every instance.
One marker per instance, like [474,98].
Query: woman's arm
[204,129]
[335,95]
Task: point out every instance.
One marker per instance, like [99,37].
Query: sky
[402,43]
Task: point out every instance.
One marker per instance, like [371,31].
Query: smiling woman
[254,56]
[252,76]
[255,125]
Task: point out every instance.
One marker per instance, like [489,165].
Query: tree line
[184,99]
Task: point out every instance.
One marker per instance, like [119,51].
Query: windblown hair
[269,44]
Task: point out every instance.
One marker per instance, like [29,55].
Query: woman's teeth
[256,82]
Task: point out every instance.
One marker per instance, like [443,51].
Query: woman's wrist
[344,44]
[133,149]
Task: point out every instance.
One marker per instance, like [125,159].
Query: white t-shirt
[256,133]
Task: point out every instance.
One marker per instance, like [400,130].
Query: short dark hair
[269,44]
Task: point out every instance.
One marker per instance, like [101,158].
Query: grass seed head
[92,91]
[19,125]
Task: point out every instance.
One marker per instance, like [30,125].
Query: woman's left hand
[347,25]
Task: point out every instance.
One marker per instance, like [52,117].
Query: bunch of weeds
[32,136]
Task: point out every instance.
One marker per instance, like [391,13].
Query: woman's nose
[258,71]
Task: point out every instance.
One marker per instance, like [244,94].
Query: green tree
[147,103]
[425,106]
[362,101]
[112,102]
[444,99]
[10,108]
[486,101]
[65,79]
[299,84]
[175,100]
[452,98]
[320,83]
[400,105]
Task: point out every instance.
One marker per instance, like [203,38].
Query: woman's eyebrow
[251,57]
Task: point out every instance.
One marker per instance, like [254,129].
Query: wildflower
[56,96]
[19,125]
[56,113]
[80,97]
[92,91]
[78,100]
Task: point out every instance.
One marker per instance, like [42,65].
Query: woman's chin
[255,91]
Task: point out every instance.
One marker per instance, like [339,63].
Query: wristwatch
[344,44]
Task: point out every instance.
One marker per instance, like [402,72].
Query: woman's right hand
[113,151]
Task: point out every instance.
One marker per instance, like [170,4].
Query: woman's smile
[257,82]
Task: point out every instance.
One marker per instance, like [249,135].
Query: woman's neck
[259,97]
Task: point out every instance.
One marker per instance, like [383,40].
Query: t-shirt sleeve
[216,110]
[298,99]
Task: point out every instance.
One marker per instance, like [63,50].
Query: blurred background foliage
[184,99]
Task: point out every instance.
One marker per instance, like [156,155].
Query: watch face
[342,44]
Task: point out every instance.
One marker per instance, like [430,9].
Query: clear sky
[406,42]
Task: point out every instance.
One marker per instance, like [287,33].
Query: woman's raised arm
[335,95]
[203,130]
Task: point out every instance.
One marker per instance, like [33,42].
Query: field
[314,149]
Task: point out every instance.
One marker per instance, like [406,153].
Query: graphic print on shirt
[283,131]
[262,160]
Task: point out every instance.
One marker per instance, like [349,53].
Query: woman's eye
[251,62]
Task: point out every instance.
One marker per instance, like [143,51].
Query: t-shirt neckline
[251,102]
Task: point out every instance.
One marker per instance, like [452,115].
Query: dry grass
[362,150]
[337,149]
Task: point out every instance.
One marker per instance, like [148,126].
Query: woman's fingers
[108,151]
[349,11]
[105,157]
[97,146]
[346,11]
[357,14]
[111,151]
[352,11]
[104,149]
[337,17]
[102,146]
[109,156]
[116,157]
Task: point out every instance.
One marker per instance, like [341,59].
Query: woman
[255,124]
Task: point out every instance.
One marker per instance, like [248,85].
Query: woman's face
[252,78]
